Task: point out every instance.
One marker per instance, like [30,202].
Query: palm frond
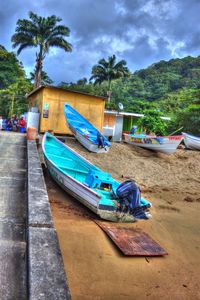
[59,31]
[108,70]
[23,46]
[60,43]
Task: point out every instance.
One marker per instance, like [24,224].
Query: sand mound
[176,177]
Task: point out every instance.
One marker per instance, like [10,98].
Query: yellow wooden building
[50,103]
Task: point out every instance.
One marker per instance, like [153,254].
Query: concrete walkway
[31,265]
[13,275]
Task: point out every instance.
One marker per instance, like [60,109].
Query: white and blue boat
[191,141]
[87,183]
[164,144]
[85,132]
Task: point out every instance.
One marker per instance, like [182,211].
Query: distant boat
[165,144]
[191,141]
[85,132]
[84,181]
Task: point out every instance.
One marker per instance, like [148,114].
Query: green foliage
[179,100]
[165,85]
[88,88]
[189,119]
[13,99]
[122,92]
[111,105]
[152,123]
[170,87]
[166,77]
[10,68]
[13,84]
[107,71]
[45,79]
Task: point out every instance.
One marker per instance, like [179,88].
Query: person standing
[8,124]
[100,140]
[15,122]
[22,124]
[133,129]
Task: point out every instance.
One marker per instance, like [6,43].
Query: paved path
[13,170]
[31,265]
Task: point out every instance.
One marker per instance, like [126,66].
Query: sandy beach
[96,269]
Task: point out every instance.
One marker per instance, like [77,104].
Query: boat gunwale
[70,149]
[172,137]
[190,136]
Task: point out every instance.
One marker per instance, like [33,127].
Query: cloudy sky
[140,31]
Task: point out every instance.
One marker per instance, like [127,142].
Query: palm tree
[42,33]
[45,79]
[108,71]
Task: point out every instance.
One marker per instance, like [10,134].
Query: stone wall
[46,275]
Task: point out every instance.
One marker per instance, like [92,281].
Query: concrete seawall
[46,276]
[31,265]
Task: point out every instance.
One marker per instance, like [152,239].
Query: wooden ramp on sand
[131,241]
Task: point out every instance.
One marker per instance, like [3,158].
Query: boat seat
[97,178]
[72,169]
[63,158]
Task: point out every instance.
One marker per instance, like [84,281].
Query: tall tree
[45,79]
[42,33]
[108,71]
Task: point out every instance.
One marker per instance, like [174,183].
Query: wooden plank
[132,241]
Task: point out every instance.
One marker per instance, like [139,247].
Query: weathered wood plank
[132,241]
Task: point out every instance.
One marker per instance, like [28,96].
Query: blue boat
[85,132]
[87,183]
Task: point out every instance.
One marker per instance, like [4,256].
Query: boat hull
[85,132]
[85,196]
[73,187]
[167,145]
[89,145]
[191,141]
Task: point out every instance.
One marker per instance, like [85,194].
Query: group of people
[13,124]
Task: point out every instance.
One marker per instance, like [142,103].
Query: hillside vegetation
[171,88]
[174,79]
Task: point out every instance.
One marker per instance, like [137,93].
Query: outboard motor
[129,195]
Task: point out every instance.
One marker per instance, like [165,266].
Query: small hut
[117,123]
[50,102]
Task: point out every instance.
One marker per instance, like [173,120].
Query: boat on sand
[90,137]
[93,187]
[191,141]
[165,144]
